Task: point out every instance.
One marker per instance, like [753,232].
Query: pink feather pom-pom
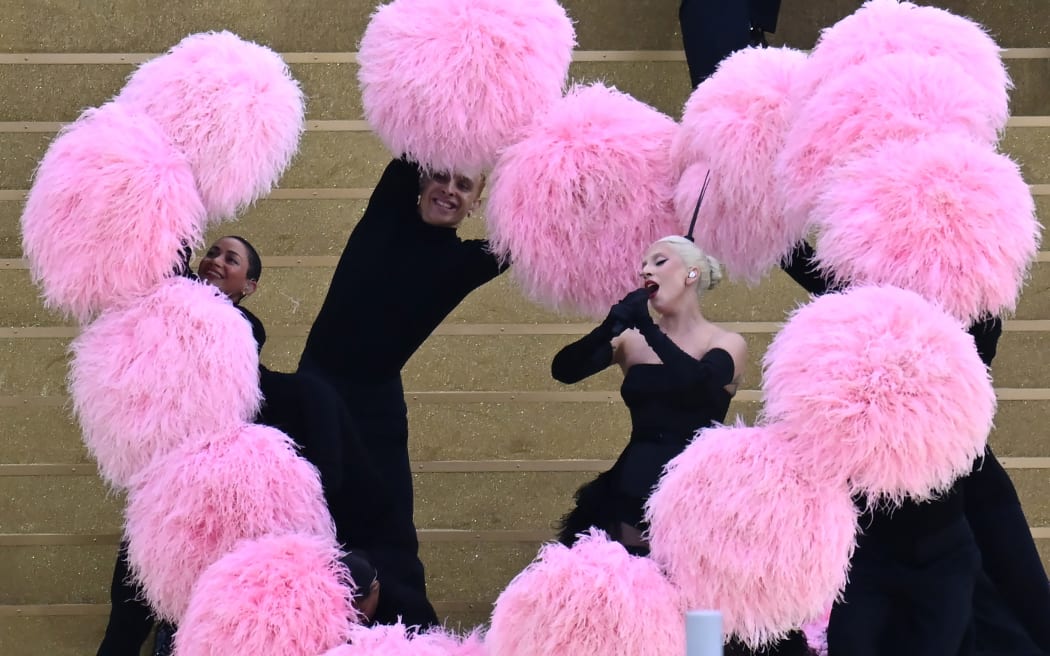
[882,27]
[734,124]
[285,595]
[594,598]
[893,97]
[943,216]
[579,199]
[191,507]
[135,375]
[399,640]
[880,386]
[739,525]
[232,106]
[450,83]
[112,175]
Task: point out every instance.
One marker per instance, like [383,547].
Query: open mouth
[652,287]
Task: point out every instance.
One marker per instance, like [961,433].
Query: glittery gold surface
[466,575]
[57,574]
[473,571]
[19,155]
[517,431]
[58,504]
[1031,93]
[33,367]
[73,635]
[1030,147]
[33,434]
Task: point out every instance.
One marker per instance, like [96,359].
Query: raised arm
[801,266]
[397,190]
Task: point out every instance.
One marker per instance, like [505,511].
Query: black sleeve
[801,267]
[986,335]
[480,264]
[714,370]
[584,357]
[396,193]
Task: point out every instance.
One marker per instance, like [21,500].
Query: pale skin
[681,319]
[446,199]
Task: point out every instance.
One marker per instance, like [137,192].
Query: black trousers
[911,587]
[714,29]
[380,418]
[130,619]
[1015,590]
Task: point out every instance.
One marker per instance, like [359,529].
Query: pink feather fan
[894,97]
[734,124]
[943,216]
[189,508]
[113,174]
[594,598]
[399,640]
[882,388]
[134,376]
[883,27]
[285,595]
[452,82]
[579,199]
[234,109]
[740,525]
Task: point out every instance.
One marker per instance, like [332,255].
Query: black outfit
[668,403]
[312,414]
[714,29]
[396,280]
[956,575]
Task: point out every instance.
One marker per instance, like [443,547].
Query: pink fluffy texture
[816,633]
[900,96]
[592,599]
[283,595]
[399,640]
[135,376]
[734,123]
[191,507]
[739,526]
[113,174]
[234,109]
[452,82]
[578,200]
[943,216]
[882,27]
[879,386]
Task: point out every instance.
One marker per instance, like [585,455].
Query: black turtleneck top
[397,279]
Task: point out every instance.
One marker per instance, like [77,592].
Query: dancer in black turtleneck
[404,269]
[957,575]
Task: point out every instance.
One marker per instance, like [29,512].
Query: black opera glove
[714,370]
[631,312]
[594,352]
[586,356]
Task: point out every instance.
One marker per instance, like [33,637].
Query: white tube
[703,633]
